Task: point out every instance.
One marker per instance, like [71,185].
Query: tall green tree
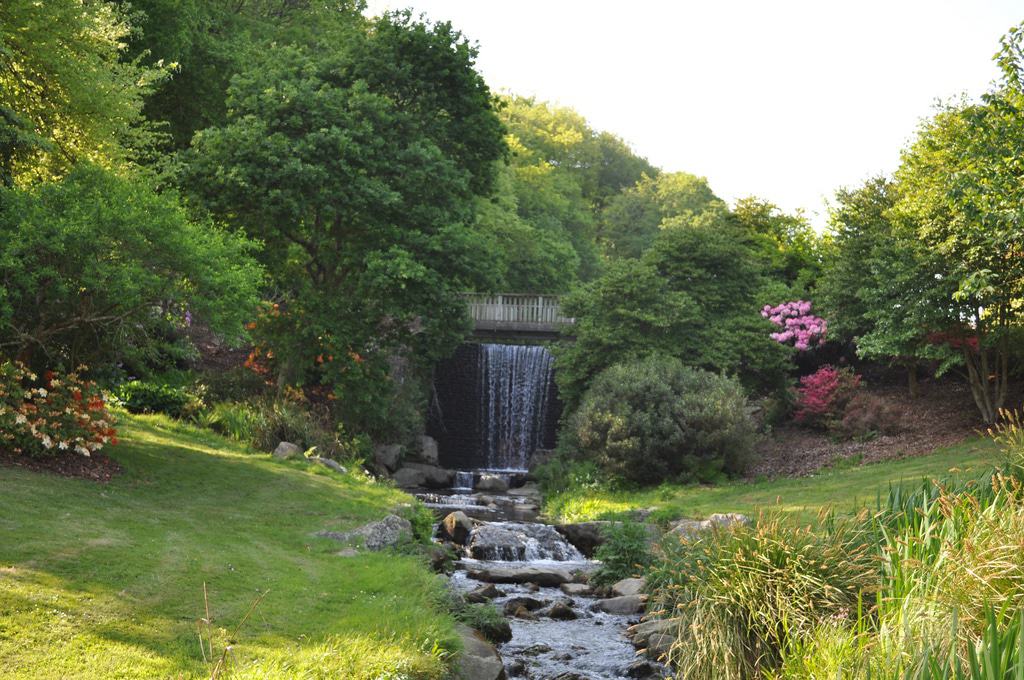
[359,170]
[790,245]
[66,96]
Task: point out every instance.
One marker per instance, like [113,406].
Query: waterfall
[463,481]
[514,385]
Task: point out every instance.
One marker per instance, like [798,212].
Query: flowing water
[514,382]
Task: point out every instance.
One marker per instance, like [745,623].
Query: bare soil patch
[98,467]
[944,414]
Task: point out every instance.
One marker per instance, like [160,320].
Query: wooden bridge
[513,314]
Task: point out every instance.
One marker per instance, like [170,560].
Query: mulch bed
[944,414]
[98,467]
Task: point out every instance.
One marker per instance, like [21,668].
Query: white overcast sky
[783,99]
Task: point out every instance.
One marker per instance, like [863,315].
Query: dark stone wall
[455,414]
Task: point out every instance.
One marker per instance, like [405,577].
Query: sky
[787,100]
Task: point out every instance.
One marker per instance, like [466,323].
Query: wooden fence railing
[516,310]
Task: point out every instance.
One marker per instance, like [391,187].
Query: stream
[538,579]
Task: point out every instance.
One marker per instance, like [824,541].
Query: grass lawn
[843,490]
[106,580]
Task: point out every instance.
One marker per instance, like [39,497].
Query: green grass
[842,490]
[106,580]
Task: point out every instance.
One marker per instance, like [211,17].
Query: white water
[515,380]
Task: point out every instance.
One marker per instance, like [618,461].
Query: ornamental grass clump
[56,415]
[742,595]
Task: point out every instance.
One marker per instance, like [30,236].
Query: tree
[94,266]
[631,220]
[65,96]
[357,169]
[789,244]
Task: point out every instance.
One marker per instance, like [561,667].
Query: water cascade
[515,381]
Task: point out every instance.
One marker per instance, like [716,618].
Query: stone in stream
[425,450]
[434,477]
[625,605]
[456,527]
[479,659]
[547,575]
[586,536]
[641,633]
[560,611]
[408,478]
[579,589]
[519,541]
[528,603]
[629,586]
[484,593]
[528,489]
[489,482]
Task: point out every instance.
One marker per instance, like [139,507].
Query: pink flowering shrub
[800,328]
[822,396]
[57,415]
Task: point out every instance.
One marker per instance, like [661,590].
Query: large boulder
[641,633]
[479,659]
[457,527]
[385,533]
[514,541]
[286,450]
[586,536]
[407,477]
[433,476]
[425,450]
[387,456]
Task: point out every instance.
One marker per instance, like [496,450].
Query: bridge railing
[512,310]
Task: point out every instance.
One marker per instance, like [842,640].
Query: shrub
[625,552]
[654,419]
[139,396]
[867,414]
[60,414]
[742,595]
[823,395]
[484,618]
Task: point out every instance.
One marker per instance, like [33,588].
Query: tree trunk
[978,379]
[912,386]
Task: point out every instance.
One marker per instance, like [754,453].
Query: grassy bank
[843,489]
[106,580]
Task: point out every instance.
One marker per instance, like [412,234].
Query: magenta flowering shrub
[800,328]
[823,396]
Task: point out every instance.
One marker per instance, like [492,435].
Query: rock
[516,668]
[525,513]
[528,603]
[528,489]
[641,633]
[561,612]
[484,593]
[332,464]
[457,527]
[625,605]
[521,613]
[578,589]
[536,650]
[516,541]
[659,645]
[433,476]
[629,586]
[586,536]
[441,559]
[543,575]
[531,587]
[479,659]
[691,528]
[388,455]
[286,450]
[641,668]
[425,450]
[490,482]
[407,478]
[386,533]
